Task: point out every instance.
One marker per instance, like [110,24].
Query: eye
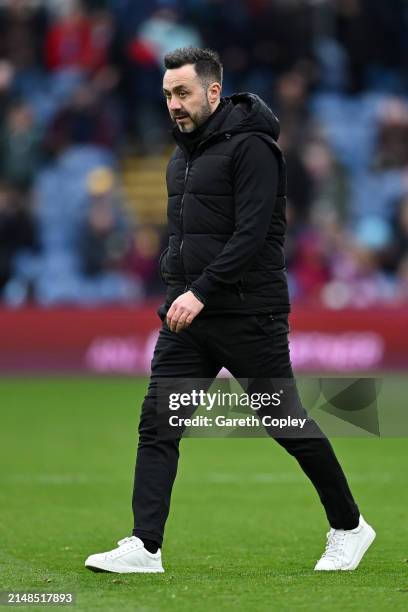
[182,94]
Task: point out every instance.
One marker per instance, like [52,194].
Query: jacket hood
[249,113]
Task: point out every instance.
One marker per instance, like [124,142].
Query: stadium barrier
[121,340]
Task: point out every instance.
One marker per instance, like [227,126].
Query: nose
[174,104]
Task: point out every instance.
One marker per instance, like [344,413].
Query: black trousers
[251,347]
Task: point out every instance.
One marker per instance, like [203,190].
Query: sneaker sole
[136,570]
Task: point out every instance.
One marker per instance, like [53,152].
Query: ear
[214,92]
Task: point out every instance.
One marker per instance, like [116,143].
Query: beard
[196,119]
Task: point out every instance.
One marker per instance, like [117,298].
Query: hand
[183,311]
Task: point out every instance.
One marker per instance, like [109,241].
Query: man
[227,301]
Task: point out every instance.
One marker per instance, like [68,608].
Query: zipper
[181,219]
[203,143]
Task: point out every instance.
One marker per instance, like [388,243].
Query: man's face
[187,99]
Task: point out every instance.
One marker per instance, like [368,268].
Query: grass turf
[245,529]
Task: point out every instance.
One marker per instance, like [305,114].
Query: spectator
[392,140]
[291,95]
[22,29]
[17,229]
[281,33]
[144,256]
[371,32]
[160,33]
[104,240]
[88,118]
[20,146]
[401,288]
[79,40]
[357,278]
[163,31]
[310,269]
[6,80]
[398,248]
[328,180]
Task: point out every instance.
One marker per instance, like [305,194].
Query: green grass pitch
[246,526]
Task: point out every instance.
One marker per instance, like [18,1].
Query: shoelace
[334,544]
[126,540]
[117,553]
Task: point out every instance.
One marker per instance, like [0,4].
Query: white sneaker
[346,547]
[130,557]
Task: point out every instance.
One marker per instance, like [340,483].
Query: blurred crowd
[80,87]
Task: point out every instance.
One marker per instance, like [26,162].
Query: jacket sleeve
[255,178]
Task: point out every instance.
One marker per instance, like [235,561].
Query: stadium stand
[84,138]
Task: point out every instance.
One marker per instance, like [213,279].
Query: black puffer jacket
[226,214]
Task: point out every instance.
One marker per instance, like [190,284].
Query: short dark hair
[206,62]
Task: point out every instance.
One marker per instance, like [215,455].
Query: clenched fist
[183,311]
